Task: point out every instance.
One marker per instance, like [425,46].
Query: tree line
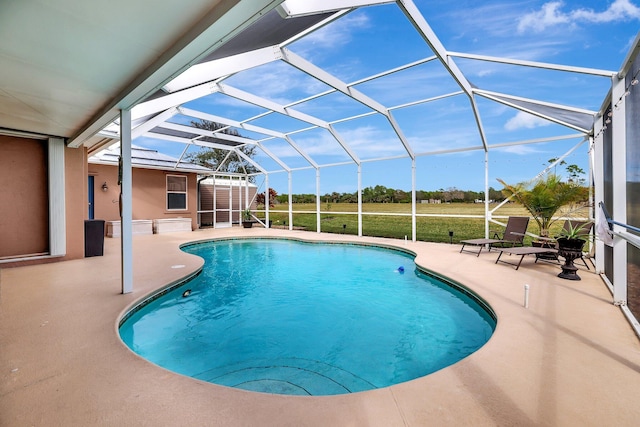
[382,194]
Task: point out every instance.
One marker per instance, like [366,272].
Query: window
[176,192]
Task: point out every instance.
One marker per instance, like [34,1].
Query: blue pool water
[287,317]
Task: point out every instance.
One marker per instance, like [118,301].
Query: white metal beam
[320,74]
[189,141]
[141,129]
[413,14]
[275,158]
[403,139]
[250,160]
[270,105]
[205,116]
[212,70]
[206,132]
[219,165]
[301,152]
[225,121]
[153,122]
[534,64]
[394,70]
[346,147]
[296,8]
[537,140]
[476,115]
[325,77]
[313,28]
[425,100]
[172,100]
[364,80]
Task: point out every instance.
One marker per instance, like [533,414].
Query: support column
[317,200]
[290,202]
[619,208]
[246,191]
[126,202]
[413,200]
[596,154]
[486,194]
[267,200]
[359,200]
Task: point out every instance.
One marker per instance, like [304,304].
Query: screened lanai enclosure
[317,101]
[275,86]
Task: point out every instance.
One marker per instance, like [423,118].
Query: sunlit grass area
[395,219]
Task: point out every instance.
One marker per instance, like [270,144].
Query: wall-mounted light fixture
[105,188]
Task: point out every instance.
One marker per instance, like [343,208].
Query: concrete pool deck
[570,359]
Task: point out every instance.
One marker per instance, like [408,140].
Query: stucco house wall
[149,194]
[24,202]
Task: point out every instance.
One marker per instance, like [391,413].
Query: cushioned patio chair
[513,235]
[585,230]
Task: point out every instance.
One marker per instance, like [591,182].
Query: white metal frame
[210,77]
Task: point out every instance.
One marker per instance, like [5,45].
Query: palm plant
[544,197]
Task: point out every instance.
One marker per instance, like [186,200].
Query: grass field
[394,220]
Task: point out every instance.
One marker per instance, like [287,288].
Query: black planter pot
[247,224]
[570,249]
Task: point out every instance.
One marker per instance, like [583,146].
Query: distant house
[163,187]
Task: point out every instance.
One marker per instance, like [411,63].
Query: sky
[368,41]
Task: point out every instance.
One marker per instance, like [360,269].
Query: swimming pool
[287,317]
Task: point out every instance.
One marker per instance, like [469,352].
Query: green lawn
[342,218]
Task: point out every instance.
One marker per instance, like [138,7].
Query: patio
[570,359]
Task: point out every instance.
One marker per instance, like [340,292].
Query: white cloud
[551,14]
[524,120]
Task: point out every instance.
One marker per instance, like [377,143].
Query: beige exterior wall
[149,194]
[24,206]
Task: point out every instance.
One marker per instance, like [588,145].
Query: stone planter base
[171,225]
[139,226]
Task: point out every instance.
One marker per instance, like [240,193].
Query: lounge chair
[525,250]
[513,236]
[585,229]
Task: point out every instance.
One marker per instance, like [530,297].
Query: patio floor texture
[570,359]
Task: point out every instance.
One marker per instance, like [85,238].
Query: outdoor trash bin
[93,237]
